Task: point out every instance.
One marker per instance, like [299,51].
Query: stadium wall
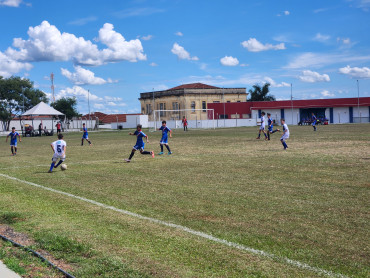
[131,122]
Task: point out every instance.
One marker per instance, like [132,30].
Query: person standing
[185,123]
[13,140]
[40,128]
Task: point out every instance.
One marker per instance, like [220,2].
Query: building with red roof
[193,98]
[335,110]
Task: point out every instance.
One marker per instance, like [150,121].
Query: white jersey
[263,122]
[286,132]
[59,147]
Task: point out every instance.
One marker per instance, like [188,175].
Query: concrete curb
[6,272]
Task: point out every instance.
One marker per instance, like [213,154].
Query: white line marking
[189,230]
[48,165]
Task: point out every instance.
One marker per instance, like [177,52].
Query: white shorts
[285,136]
[58,156]
[262,127]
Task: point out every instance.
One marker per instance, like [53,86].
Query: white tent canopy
[42,109]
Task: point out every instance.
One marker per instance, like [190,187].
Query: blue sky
[118,49]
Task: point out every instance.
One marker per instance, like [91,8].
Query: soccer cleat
[50,171]
[258,138]
[127,160]
[160,153]
[152,153]
[169,153]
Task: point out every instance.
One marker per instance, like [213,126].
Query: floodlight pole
[291,98]
[358,99]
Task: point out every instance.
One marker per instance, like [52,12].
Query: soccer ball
[63,167]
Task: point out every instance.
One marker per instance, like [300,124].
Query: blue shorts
[13,144]
[164,140]
[85,136]
[314,123]
[139,146]
[270,128]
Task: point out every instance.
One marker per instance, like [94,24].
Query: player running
[85,136]
[270,126]
[314,120]
[285,134]
[59,148]
[164,140]
[13,140]
[139,143]
[262,127]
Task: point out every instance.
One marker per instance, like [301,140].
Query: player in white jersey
[59,148]
[285,134]
[262,127]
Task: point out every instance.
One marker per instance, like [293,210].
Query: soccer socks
[82,142]
[168,148]
[12,149]
[268,135]
[274,131]
[284,144]
[60,162]
[131,155]
[89,142]
[52,166]
[145,152]
[161,148]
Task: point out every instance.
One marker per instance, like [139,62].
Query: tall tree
[16,96]
[67,106]
[261,93]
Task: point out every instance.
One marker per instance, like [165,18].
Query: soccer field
[242,207]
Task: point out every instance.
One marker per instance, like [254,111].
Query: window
[228,101]
[216,101]
[193,106]
[204,106]
[148,109]
[175,106]
[238,101]
[162,106]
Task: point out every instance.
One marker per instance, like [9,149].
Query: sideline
[188,230]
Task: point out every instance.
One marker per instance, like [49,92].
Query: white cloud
[356,72]
[147,38]
[109,98]
[326,93]
[47,43]
[98,105]
[310,60]
[229,61]
[286,12]
[274,84]
[83,76]
[345,41]
[203,66]
[8,66]
[144,11]
[321,38]
[179,34]
[153,64]
[10,3]
[313,77]
[79,93]
[181,53]
[254,45]
[244,65]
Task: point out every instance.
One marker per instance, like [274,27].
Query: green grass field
[309,204]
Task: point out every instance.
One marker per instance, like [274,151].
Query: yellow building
[189,96]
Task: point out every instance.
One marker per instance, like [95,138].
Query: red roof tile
[194,86]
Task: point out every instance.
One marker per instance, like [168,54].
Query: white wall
[288,116]
[132,121]
[217,123]
[341,115]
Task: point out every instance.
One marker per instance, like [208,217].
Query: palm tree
[259,93]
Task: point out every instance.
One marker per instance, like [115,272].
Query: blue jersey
[140,135]
[85,131]
[13,137]
[270,123]
[165,130]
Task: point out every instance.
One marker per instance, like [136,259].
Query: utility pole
[358,99]
[52,85]
[291,98]
[88,104]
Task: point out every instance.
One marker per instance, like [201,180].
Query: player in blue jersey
[59,148]
[314,120]
[164,140]
[13,140]
[85,136]
[270,129]
[285,134]
[139,143]
[262,127]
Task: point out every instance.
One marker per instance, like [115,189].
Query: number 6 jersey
[59,147]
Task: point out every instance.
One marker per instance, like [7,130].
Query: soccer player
[185,123]
[262,127]
[314,119]
[139,143]
[285,134]
[59,148]
[164,141]
[270,126]
[85,136]
[13,140]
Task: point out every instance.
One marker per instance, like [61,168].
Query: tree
[261,93]
[67,106]
[17,95]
